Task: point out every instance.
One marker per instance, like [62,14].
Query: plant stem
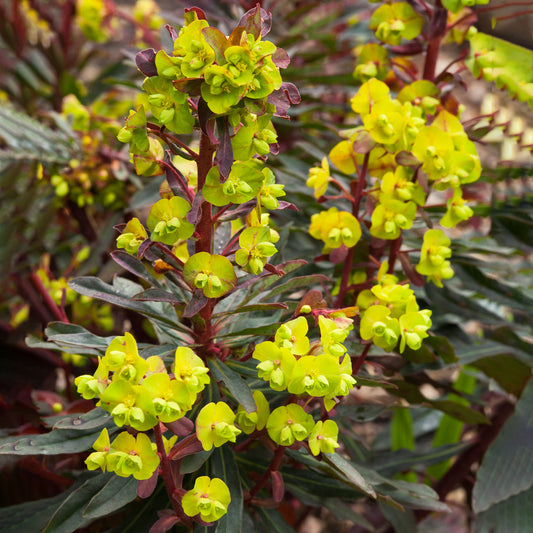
[358,363]
[167,474]
[274,465]
[58,313]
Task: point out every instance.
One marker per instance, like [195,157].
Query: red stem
[274,465]
[167,475]
[357,363]
[58,313]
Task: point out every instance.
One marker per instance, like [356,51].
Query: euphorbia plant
[235,409]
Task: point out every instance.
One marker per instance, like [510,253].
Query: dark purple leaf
[287,205]
[162,252]
[204,116]
[166,521]
[144,246]
[363,143]
[256,21]
[145,61]
[181,427]
[156,295]
[196,304]
[280,58]
[171,31]
[235,36]
[274,148]
[407,159]
[284,97]
[176,180]
[338,255]
[185,447]
[194,214]
[408,49]
[145,487]
[189,14]
[273,270]
[217,41]
[224,155]
[241,211]
[438,23]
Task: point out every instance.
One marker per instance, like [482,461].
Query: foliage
[232,350]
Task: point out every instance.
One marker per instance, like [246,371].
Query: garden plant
[288,257]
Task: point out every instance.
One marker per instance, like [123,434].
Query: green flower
[170,398]
[435,251]
[332,334]
[255,249]
[398,185]
[239,63]
[323,438]
[213,274]
[168,105]
[98,459]
[293,336]
[391,22]
[192,48]
[132,236]
[209,498]
[250,422]
[167,66]
[270,191]
[369,94]
[378,326]
[456,210]
[190,369]
[134,132]
[122,358]
[254,136]
[289,423]
[132,456]
[167,220]
[316,375]
[220,90]
[266,79]
[319,178]
[91,386]
[413,327]
[214,425]
[275,364]
[129,405]
[384,122]
[243,183]
[336,228]
[434,147]
[390,217]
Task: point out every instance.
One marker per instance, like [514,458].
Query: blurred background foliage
[68,81]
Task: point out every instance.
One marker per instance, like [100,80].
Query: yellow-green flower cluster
[320,369]
[390,315]
[125,456]
[139,392]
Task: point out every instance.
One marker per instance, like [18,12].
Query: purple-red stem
[357,363]
[167,475]
[58,313]
[274,465]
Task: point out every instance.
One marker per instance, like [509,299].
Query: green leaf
[492,288]
[95,418]
[56,442]
[133,265]
[510,374]
[461,412]
[236,385]
[272,521]
[402,521]
[96,288]
[192,463]
[513,515]
[507,468]
[34,515]
[69,515]
[402,430]
[76,339]
[223,466]
[115,494]
[253,307]
[350,472]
